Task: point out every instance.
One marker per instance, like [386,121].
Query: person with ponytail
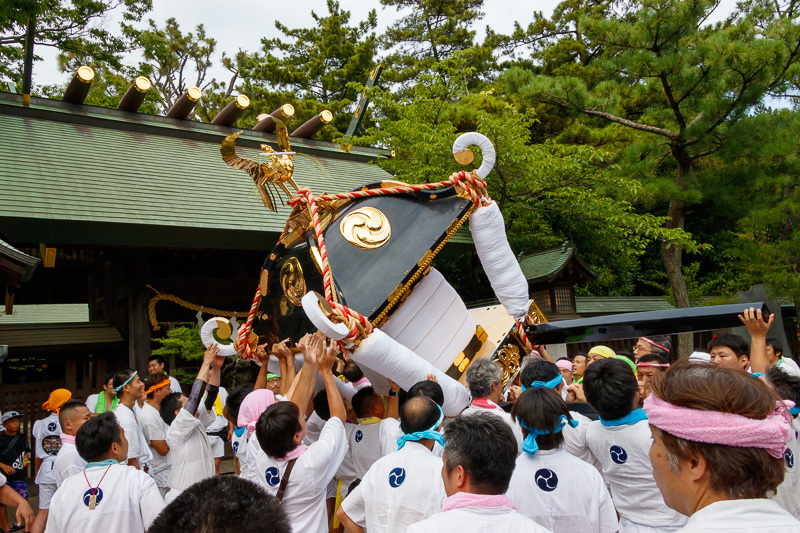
[550,485]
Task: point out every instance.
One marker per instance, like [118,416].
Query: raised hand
[753,319]
[211,353]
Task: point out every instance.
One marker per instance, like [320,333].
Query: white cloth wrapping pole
[383,354]
[502,268]
[487,150]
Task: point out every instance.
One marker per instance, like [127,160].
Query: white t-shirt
[623,453]
[741,516]
[391,431]
[364,447]
[788,493]
[137,445]
[47,433]
[154,428]
[127,501]
[562,493]
[220,422]
[469,519]
[68,462]
[398,490]
[174,386]
[304,499]
[91,402]
[498,411]
[190,454]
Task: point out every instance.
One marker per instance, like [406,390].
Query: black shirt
[12,453]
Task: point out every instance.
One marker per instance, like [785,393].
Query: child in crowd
[14,459]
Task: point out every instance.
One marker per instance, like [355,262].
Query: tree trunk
[671,255]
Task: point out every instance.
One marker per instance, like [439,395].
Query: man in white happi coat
[719,439]
[390,427]
[190,455]
[620,441]
[278,452]
[47,434]
[403,487]
[72,416]
[107,494]
[129,388]
[478,462]
[155,429]
[484,379]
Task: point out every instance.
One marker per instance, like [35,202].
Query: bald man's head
[418,414]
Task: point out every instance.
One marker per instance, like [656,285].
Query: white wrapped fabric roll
[433,322]
[206,335]
[487,150]
[381,353]
[502,268]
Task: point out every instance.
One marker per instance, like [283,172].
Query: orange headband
[157,386]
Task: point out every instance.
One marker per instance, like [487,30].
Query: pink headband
[654,365]
[727,429]
[645,339]
[564,364]
[251,408]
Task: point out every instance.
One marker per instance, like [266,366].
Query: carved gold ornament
[366,228]
[508,359]
[292,281]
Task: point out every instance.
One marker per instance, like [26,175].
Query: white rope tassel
[508,282]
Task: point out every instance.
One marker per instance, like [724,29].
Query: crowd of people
[601,442]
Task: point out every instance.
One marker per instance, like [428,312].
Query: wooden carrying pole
[313,125]
[184,105]
[79,86]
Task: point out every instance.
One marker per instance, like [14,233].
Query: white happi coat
[314,426]
[304,499]
[477,519]
[623,453]
[498,411]
[398,490]
[742,516]
[127,502]
[788,493]
[562,493]
[46,428]
[364,448]
[137,445]
[390,432]
[174,385]
[154,428]
[68,462]
[190,454]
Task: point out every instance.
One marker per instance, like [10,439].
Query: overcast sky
[241,24]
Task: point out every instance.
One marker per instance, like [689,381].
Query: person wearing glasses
[657,344]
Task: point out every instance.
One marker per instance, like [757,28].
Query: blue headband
[117,389]
[757,374]
[637,415]
[427,434]
[530,446]
[552,384]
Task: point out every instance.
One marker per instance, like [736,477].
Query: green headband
[270,375]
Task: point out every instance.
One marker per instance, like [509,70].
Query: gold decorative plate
[292,281]
[366,228]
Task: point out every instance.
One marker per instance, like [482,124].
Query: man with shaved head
[403,487]
[72,416]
